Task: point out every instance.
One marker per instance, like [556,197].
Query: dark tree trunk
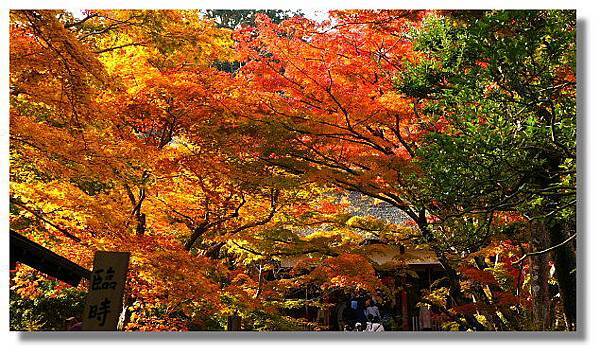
[214,250]
[453,279]
[539,276]
[565,265]
[140,229]
[563,256]
[196,234]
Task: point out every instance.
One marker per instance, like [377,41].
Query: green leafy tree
[499,87]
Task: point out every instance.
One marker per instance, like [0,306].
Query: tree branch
[545,250]
[42,218]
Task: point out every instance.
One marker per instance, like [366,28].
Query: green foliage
[501,88]
[262,321]
[46,312]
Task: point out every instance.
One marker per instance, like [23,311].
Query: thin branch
[43,219]
[545,250]
[119,47]
[80,22]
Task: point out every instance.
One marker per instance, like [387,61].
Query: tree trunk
[539,276]
[140,229]
[196,234]
[565,265]
[454,281]
[260,281]
[564,256]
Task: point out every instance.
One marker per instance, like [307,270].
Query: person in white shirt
[369,323]
[376,326]
[371,309]
[373,324]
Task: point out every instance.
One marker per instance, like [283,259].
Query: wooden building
[405,269]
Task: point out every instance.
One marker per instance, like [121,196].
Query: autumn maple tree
[219,146]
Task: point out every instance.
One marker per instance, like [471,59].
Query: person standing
[358,310]
[371,309]
[425,317]
[376,325]
[358,327]
[369,325]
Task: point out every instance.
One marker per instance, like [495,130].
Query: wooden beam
[23,250]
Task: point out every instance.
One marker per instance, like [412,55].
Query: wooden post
[104,301]
[405,315]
